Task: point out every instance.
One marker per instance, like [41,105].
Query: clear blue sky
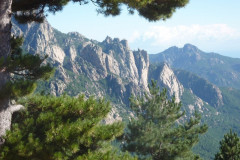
[211,25]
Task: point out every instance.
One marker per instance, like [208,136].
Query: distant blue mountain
[220,70]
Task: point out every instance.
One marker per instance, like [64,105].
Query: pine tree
[62,128]
[156,133]
[229,147]
[23,70]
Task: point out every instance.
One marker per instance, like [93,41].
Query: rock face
[40,38]
[86,66]
[104,69]
[166,79]
[208,92]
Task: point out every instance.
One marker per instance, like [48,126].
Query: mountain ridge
[220,70]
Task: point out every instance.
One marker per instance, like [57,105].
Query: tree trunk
[5,47]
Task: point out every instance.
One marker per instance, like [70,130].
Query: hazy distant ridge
[220,70]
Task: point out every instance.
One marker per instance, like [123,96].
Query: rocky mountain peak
[116,40]
[108,40]
[40,38]
[166,79]
[192,52]
[186,48]
[189,46]
[142,63]
[75,34]
[170,81]
[115,43]
[124,43]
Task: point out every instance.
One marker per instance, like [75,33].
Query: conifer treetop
[229,147]
[53,128]
[157,133]
[153,10]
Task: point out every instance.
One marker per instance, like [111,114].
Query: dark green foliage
[161,9]
[29,10]
[229,147]
[62,128]
[25,69]
[26,65]
[17,88]
[156,131]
